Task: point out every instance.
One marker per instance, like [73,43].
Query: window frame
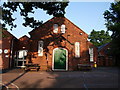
[55,28]
[91,53]
[63,28]
[77,49]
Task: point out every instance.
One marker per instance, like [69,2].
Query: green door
[60,59]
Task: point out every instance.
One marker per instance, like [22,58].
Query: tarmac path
[103,77]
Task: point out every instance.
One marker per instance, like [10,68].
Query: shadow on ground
[103,77]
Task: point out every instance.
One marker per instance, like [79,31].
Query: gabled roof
[53,19]
[6,33]
[25,36]
[102,46]
[76,26]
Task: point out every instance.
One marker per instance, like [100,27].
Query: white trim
[62,28]
[66,60]
[17,60]
[91,53]
[77,49]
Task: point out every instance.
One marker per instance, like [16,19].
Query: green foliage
[113,24]
[56,9]
[112,17]
[99,38]
[2,35]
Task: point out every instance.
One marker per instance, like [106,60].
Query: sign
[5,51]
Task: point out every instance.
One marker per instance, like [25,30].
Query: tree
[56,9]
[99,38]
[112,17]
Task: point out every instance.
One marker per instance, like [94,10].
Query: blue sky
[86,15]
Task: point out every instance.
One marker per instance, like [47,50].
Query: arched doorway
[60,59]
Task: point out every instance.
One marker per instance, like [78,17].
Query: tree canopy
[56,9]
[112,17]
[99,38]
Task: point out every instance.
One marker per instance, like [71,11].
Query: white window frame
[91,53]
[23,53]
[77,49]
[55,28]
[62,28]
[22,59]
[40,48]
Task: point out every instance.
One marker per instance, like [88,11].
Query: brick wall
[8,42]
[51,41]
[104,58]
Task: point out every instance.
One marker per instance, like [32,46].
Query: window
[77,49]
[40,48]
[63,28]
[21,58]
[55,28]
[91,54]
[22,54]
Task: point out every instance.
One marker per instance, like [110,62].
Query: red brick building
[58,44]
[22,51]
[104,57]
[8,45]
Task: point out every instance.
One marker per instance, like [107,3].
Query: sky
[86,15]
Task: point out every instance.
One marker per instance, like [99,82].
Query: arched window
[55,28]
[77,49]
[40,48]
[63,28]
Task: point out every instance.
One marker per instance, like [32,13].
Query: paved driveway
[102,77]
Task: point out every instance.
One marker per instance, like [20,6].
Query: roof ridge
[59,17]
